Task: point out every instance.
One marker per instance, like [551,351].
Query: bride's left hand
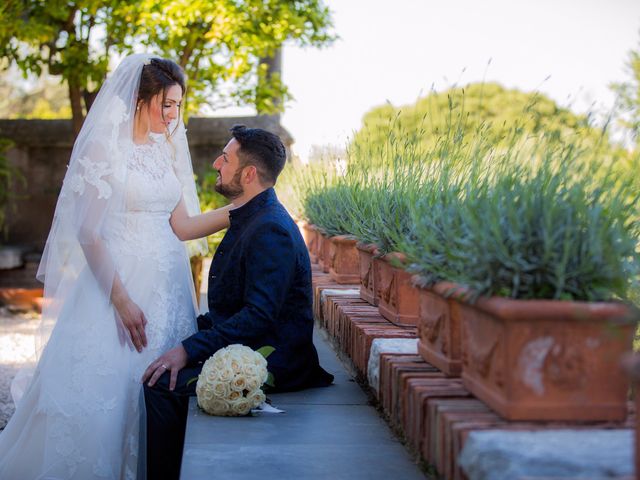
[173,361]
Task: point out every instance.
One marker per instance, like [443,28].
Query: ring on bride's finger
[164,366]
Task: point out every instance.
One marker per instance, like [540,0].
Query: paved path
[326,433]
[17,348]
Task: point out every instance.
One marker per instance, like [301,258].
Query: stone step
[325,433]
[436,415]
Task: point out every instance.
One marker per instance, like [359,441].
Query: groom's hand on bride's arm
[173,361]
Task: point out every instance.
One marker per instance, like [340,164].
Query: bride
[117,282]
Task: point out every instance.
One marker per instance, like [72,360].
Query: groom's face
[229,170]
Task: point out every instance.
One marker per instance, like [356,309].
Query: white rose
[239,383]
[221,389]
[236,365]
[241,406]
[252,383]
[250,370]
[207,394]
[220,407]
[225,374]
[256,397]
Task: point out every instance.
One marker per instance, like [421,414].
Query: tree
[72,39]
[629,96]
[215,41]
[43,98]
[488,107]
[228,47]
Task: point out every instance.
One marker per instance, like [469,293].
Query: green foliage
[551,214]
[222,41]
[266,350]
[270,381]
[537,227]
[629,96]
[63,38]
[46,99]
[221,44]
[298,185]
[288,189]
[487,106]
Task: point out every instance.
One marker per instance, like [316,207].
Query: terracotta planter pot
[343,260]
[326,253]
[309,236]
[631,363]
[439,329]
[545,359]
[398,299]
[320,239]
[22,298]
[316,243]
[367,274]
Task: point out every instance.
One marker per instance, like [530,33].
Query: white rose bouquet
[231,380]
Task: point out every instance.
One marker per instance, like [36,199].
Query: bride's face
[160,114]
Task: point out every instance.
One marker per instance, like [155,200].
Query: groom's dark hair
[264,150]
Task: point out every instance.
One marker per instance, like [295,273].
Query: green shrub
[504,211]
[551,221]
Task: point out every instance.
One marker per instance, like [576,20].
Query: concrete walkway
[326,433]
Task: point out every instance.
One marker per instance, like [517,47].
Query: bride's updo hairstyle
[157,76]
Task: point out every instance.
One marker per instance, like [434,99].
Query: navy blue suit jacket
[260,294]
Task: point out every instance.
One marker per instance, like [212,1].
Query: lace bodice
[151,193]
[151,182]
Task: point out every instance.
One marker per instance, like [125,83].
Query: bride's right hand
[131,317]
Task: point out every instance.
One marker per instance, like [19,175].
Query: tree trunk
[89,97]
[75,97]
[274,67]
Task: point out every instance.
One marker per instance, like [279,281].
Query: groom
[259,294]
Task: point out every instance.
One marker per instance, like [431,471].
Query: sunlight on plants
[524,209]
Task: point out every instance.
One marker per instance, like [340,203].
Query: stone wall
[41,152]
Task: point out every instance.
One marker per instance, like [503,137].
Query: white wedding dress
[80,417]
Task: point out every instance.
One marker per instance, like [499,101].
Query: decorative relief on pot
[481,356]
[565,366]
[365,280]
[482,337]
[387,293]
[333,253]
[431,326]
[444,344]
[393,292]
[549,361]
[531,362]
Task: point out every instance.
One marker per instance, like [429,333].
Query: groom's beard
[232,190]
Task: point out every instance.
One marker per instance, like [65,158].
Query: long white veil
[81,412]
[92,191]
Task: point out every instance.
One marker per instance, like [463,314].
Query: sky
[398,50]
